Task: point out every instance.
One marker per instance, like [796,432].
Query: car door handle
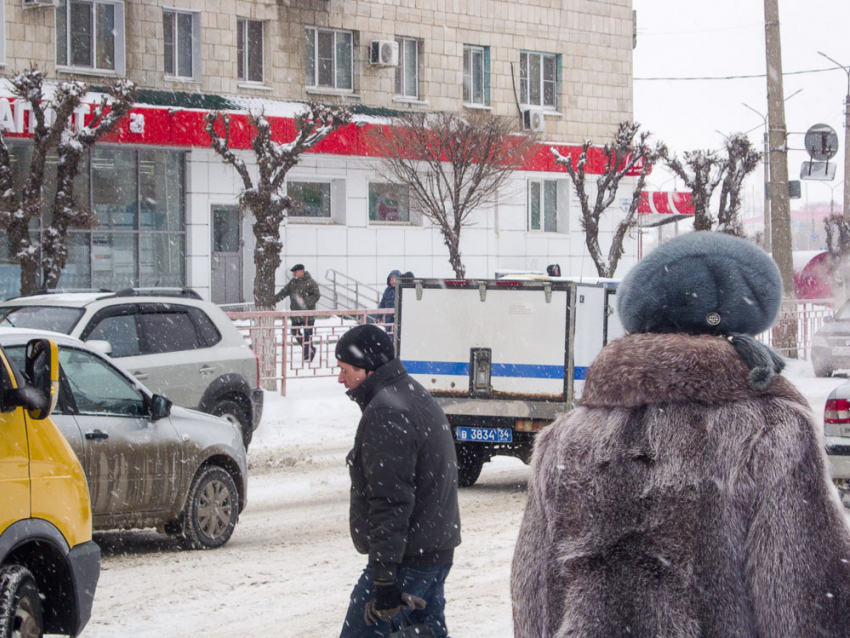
[206,369]
[141,376]
[96,434]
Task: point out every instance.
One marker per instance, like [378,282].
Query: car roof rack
[186,293]
[60,291]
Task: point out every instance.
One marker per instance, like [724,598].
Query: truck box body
[504,354]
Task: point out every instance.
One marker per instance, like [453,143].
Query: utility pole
[785,330]
[846,69]
[780,212]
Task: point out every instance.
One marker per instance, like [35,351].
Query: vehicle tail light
[837,411]
[514,284]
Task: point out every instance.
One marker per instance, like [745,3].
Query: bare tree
[741,160]
[628,152]
[701,172]
[54,130]
[838,244]
[451,164]
[263,196]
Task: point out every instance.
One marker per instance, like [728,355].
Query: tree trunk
[264,345]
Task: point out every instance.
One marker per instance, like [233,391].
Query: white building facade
[166,204]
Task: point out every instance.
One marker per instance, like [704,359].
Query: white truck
[503,357]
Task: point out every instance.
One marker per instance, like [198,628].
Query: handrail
[346,292]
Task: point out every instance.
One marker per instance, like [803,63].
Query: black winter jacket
[403,470]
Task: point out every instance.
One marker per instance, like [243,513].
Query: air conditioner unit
[40,3]
[533,120]
[384,53]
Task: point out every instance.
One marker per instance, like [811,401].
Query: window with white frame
[476,84]
[389,202]
[330,58]
[310,199]
[90,35]
[407,71]
[249,50]
[538,79]
[182,44]
[543,205]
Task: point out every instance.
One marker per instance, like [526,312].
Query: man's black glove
[388,601]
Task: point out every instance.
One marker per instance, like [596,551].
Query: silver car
[836,428]
[147,464]
[169,339]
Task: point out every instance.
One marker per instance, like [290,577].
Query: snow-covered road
[290,565]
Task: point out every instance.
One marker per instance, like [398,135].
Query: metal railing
[286,354]
[284,349]
[810,315]
[342,291]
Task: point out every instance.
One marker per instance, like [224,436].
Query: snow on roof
[77,299]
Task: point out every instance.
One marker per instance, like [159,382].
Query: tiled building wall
[592,37]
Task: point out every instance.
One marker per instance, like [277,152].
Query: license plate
[485,435]
[840,351]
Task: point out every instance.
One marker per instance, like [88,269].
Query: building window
[182,44]
[389,202]
[2,33]
[310,199]
[538,79]
[330,59]
[476,75]
[249,50]
[407,71]
[543,205]
[90,35]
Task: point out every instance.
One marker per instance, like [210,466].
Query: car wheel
[470,460]
[212,508]
[20,604]
[235,412]
[821,369]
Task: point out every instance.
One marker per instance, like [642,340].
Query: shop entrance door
[226,255]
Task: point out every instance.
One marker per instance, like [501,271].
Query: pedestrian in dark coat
[304,294]
[689,494]
[404,509]
[388,299]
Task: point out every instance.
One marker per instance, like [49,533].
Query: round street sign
[821,142]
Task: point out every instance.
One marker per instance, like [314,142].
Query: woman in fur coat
[689,495]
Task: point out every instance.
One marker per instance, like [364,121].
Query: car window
[53,318]
[5,386]
[121,332]
[206,328]
[97,387]
[167,332]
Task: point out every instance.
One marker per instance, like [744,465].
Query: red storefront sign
[186,128]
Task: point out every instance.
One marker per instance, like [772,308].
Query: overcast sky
[720,38]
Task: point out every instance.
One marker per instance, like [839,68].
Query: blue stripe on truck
[516,370]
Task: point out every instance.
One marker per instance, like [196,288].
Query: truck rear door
[486,339]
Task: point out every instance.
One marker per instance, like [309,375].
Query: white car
[169,339]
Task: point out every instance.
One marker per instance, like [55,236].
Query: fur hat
[367,347]
[707,283]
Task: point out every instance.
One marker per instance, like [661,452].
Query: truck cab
[49,566]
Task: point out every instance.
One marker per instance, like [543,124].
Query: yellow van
[49,565]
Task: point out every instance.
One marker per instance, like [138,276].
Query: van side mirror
[100,345]
[41,369]
[160,407]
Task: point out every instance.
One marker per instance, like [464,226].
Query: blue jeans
[426,582]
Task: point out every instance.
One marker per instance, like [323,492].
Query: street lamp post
[846,69]
[767,242]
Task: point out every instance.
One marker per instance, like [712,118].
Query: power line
[733,77]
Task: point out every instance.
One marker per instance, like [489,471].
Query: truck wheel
[234,412]
[470,460]
[212,508]
[20,604]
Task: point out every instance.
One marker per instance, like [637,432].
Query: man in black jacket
[404,511]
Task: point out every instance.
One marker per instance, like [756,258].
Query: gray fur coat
[678,502]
